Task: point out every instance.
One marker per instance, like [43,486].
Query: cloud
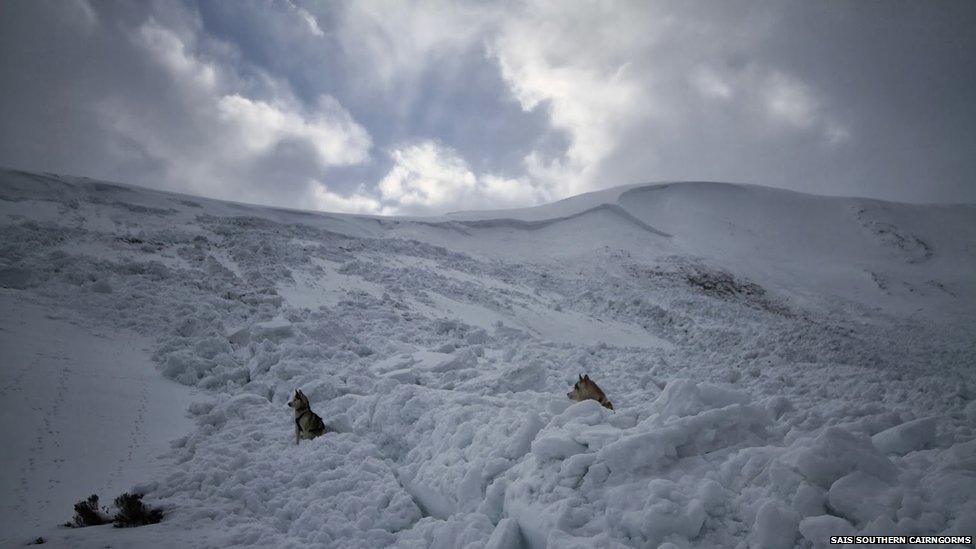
[620,80]
[423,107]
[310,21]
[793,103]
[82,12]
[169,51]
[397,41]
[255,126]
[331,131]
[565,58]
[782,102]
[245,120]
[428,178]
[710,84]
[358,202]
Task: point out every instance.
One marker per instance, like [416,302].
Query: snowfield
[784,368]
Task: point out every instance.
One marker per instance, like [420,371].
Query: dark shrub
[87,513]
[133,512]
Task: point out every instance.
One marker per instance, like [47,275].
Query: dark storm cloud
[428,107]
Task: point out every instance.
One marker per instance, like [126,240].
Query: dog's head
[585,389]
[299,401]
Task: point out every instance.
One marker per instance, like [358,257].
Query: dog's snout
[569,395]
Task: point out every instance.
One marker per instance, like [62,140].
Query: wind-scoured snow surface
[784,367]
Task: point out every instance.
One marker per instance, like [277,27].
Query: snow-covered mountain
[783,367]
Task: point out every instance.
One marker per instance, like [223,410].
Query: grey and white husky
[307,423]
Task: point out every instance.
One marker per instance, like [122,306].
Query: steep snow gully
[784,368]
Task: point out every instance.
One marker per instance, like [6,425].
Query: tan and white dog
[586,389]
[307,423]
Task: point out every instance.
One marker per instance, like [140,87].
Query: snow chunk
[860,497]
[835,453]
[240,337]
[774,527]
[907,437]
[463,530]
[651,451]
[273,330]
[522,377]
[808,500]
[564,540]
[683,397]
[556,446]
[817,530]
[505,535]
[695,419]
[432,361]
[656,511]
[403,375]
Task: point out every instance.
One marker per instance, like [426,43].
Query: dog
[585,388]
[307,423]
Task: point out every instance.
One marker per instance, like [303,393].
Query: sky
[424,108]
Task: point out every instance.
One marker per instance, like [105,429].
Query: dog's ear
[586,377]
[580,377]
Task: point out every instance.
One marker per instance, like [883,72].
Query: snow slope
[784,367]
[82,411]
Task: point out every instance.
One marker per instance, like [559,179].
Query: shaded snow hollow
[784,367]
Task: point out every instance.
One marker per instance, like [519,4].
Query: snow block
[834,453]
[326,332]
[274,330]
[650,450]
[564,540]
[683,397]
[521,442]
[817,530]
[240,337]
[808,500]
[860,497]
[522,377]
[505,535]
[556,446]
[404,375]
[651,512]
[907,437]
[774,527]
[435,362]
